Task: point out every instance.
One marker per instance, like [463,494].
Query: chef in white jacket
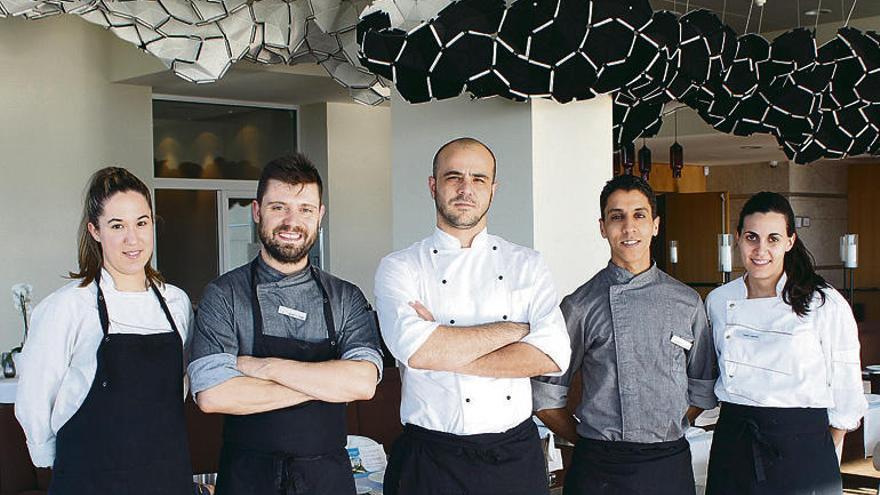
[788,355]
[469,317]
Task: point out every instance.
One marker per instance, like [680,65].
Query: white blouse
[58,363]
[493,280]
[769,356]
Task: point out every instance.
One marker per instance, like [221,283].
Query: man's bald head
[458,144]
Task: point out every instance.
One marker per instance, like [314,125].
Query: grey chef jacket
[224,320]
[637,383]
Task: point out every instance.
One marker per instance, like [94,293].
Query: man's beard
[284,252]
[460,220]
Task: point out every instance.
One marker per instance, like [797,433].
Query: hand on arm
[328,381]
[561,422]
[693,413]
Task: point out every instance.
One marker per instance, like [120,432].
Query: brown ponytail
[102,185]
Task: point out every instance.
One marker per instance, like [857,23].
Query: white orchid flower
[21,294]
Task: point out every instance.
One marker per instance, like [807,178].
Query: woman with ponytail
[101,392]
[788,351]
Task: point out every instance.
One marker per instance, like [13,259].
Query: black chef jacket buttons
[443,281]
[500,277]
[508,397]
[452,322]
[434,251]
[494,248]
[467,400]
[504,317]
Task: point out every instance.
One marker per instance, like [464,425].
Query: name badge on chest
[683,343]
[293,313]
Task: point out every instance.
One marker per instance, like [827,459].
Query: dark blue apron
[427,462]
[772,451]
[297,450]
[600,467]
[129,435]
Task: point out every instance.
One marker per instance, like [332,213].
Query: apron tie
[287,480]
[761,447]
[489,456]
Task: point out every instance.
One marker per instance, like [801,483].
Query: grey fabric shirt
[224,320]
[637,381]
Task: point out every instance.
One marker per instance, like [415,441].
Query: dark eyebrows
[458,173]
[120,220]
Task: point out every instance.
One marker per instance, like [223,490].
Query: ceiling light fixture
[676,153]
[815,12]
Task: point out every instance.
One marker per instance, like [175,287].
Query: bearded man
[280,347]
[469,317]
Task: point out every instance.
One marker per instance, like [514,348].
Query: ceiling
[308,83]
[777,14]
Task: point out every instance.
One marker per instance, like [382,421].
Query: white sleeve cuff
[43,454]
[555,345]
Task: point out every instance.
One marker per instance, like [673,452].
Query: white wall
[571,156]
[60,120]
[419,130]
[359,190]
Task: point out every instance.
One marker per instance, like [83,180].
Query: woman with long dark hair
[788,351]
[101,392]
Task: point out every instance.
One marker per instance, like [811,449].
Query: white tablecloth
[7,390]
[872,424]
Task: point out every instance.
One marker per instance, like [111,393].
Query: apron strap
[258,314]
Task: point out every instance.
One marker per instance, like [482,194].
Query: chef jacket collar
[108,285]
[622,276]
[443,241]
[743,290]
[268,276]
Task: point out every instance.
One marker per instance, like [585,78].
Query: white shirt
[769,356]
[58,363]
[493,280]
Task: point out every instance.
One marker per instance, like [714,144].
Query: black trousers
[625,468]
[768,450]
[425,462]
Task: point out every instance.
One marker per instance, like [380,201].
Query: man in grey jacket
[641,341]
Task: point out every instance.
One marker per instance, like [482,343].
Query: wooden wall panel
[692,179]
[694,220]
[863,191]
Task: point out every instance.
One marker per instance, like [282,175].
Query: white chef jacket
[769,356]
[59,360]
[493,280]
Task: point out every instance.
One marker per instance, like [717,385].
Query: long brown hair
[102,185]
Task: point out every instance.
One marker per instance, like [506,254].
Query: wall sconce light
[725,255]
[849,256]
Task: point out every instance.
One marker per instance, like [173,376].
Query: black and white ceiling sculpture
[819,102]
[200,39]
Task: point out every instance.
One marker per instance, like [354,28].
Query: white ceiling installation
[199,40]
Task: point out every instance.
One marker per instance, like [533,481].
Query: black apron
[769,450]
[298,450]
[627,468]
[426,462]
[129,435]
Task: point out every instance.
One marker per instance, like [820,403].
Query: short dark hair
[290,169]
[627,182]
[462,141]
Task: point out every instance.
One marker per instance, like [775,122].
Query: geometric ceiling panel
[199,40]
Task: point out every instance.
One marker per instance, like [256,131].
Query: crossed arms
[500,349]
